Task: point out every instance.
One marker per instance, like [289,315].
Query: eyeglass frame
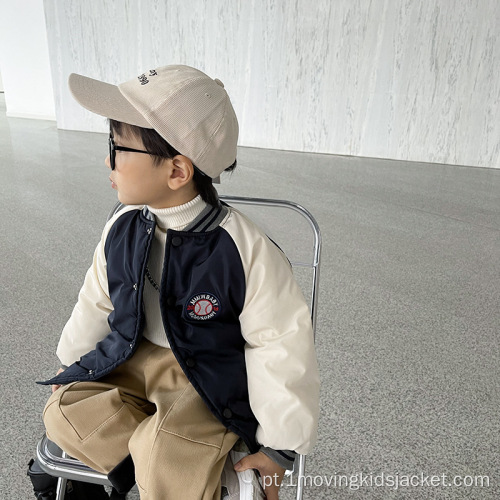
[113,148]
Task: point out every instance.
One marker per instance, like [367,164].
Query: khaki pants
[146,408]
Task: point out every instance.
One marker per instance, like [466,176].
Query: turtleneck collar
[180,216]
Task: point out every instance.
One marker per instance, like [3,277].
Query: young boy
[190,331]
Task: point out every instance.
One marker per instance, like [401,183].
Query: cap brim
[105,99]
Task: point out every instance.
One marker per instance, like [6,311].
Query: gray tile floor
[408,318]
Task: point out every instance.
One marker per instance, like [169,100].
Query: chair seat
[55,462]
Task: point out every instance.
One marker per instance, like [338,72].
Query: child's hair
[159,148]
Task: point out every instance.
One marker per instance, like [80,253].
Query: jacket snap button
[227,413]
[190,362]
[91,372]
[171,301]
[176,241]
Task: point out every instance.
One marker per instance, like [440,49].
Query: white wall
[410,80]
[24,60]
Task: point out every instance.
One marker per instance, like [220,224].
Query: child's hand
[54,386]
[270,472]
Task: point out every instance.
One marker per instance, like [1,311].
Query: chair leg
[61,488]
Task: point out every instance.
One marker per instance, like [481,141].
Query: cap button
[218,82]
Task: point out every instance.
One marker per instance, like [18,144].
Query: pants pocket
[89,410]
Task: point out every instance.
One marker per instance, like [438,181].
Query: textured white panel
[407,79]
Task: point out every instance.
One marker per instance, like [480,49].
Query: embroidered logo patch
[203,306]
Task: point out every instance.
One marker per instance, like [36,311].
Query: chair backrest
[295,231]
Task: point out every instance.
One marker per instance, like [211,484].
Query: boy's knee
[57,427]
[54,418]
[52,415]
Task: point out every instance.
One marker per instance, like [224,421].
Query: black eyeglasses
[113,148]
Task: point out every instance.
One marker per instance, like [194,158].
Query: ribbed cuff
[284,458]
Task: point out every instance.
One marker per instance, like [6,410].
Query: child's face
[136,179]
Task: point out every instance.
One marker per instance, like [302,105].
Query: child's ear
[181,173]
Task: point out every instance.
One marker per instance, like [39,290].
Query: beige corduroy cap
[190,110]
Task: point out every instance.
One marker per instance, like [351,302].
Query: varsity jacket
[233,314]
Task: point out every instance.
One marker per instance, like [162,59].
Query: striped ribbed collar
[209,219]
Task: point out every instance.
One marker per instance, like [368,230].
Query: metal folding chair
[57,463]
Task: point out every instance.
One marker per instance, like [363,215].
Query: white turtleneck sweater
[176,218]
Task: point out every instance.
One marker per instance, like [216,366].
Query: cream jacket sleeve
[283,380]
[88,323]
